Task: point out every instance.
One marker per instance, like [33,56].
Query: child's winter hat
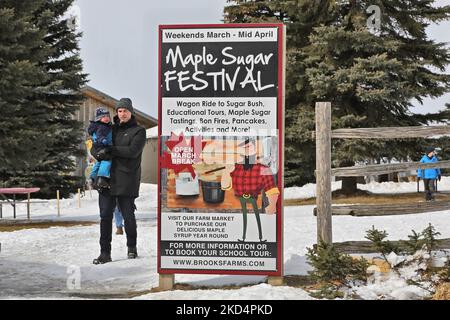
[100,113]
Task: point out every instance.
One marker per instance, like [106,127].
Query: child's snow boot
[103,183]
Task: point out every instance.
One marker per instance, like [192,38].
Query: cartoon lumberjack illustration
[248,179]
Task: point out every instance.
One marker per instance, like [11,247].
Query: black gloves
[101,154]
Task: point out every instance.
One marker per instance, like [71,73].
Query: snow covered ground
[43,263]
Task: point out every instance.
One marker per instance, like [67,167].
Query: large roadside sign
[221,114]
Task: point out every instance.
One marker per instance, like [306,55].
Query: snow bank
[258,292]
[309,190]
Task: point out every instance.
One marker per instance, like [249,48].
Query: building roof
[111,102]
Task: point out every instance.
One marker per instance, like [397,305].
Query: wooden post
[166,281]
[28,206]
[323,169]
[14,205]
[57,203]
[79,198]
[275,281]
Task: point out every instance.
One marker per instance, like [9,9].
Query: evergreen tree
[300,17]
[64,66]
[370,77]
[21,79]
[56,97]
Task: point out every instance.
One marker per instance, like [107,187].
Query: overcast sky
[120,44]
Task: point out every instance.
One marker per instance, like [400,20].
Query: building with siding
[95,99]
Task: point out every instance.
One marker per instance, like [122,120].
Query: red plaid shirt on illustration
[252,181]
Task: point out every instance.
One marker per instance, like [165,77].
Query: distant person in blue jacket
[429,176]
[119,220]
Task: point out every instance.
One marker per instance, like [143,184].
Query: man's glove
[439,177]
[101,154]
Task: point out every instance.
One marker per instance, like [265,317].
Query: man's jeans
[429,188]
[107,204]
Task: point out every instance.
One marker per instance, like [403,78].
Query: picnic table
[13,202]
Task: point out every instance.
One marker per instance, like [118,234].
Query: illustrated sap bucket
[185,185]
[212,192]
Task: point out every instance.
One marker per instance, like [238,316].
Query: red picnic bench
[13,203]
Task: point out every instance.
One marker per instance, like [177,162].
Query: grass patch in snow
[15,225]
[373,198]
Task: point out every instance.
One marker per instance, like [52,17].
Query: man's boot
[132,253]
[119,230]
[104,257]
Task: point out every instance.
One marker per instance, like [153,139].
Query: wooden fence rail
[389,132]
[362,210]
[367,246]
[377,169]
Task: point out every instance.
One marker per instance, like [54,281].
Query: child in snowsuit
[101,132]
[429,176]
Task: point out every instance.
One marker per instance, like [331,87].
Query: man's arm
[134,149]
[438,170]
[226,182]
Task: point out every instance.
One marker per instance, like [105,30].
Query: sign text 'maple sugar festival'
[197,81]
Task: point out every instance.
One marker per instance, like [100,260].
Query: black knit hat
[429,150]
[125,103]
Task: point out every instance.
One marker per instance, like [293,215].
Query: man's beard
[249,161]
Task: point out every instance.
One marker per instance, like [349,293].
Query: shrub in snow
[413,274]
[334,270]
[442,292]
[415,269]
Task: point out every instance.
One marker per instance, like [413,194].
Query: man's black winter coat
[128,143]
